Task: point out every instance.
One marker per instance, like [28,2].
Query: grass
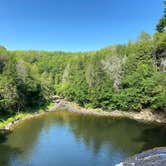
[99,110]
[20,115]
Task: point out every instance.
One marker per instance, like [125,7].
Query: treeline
[126,77]
[20,85]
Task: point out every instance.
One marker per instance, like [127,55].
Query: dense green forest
[126,77]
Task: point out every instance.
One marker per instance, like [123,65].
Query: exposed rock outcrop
[154,157]
[160,58]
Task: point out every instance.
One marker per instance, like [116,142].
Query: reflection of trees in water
[21,141]
[5,150]
[155,136]
[121,135]
[26,134]
[5,153]
[118,135]
[3,136]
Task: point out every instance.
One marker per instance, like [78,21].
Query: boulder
[153,157]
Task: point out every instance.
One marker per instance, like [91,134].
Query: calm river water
[69,139]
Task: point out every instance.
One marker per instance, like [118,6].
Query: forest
[127,77]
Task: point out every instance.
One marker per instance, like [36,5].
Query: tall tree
[162,22]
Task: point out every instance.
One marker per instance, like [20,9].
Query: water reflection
[5,150]
[153,136]
[63,138]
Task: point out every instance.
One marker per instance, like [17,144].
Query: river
[63,138]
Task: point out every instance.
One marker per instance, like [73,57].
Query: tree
[162,22]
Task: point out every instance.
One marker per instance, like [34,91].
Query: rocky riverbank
[144,115]
[153,157]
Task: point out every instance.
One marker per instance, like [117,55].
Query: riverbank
[143,116]
[155,156]
[8,123]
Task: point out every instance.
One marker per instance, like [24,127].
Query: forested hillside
[126,77]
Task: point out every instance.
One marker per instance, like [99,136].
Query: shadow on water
[6,150]
[152,137]
[3,135]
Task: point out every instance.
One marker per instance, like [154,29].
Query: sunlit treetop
[161,26]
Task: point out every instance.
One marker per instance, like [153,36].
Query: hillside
[123,77]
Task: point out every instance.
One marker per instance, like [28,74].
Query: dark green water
[69,139]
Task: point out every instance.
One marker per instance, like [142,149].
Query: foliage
[162,22]
[127,77]
[20,84]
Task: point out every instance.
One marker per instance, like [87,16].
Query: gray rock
[154,157]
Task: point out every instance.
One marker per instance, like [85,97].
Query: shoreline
[153,156]
[146,116]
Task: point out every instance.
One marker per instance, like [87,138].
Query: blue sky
[75,25]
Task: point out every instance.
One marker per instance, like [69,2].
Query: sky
[75,25]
